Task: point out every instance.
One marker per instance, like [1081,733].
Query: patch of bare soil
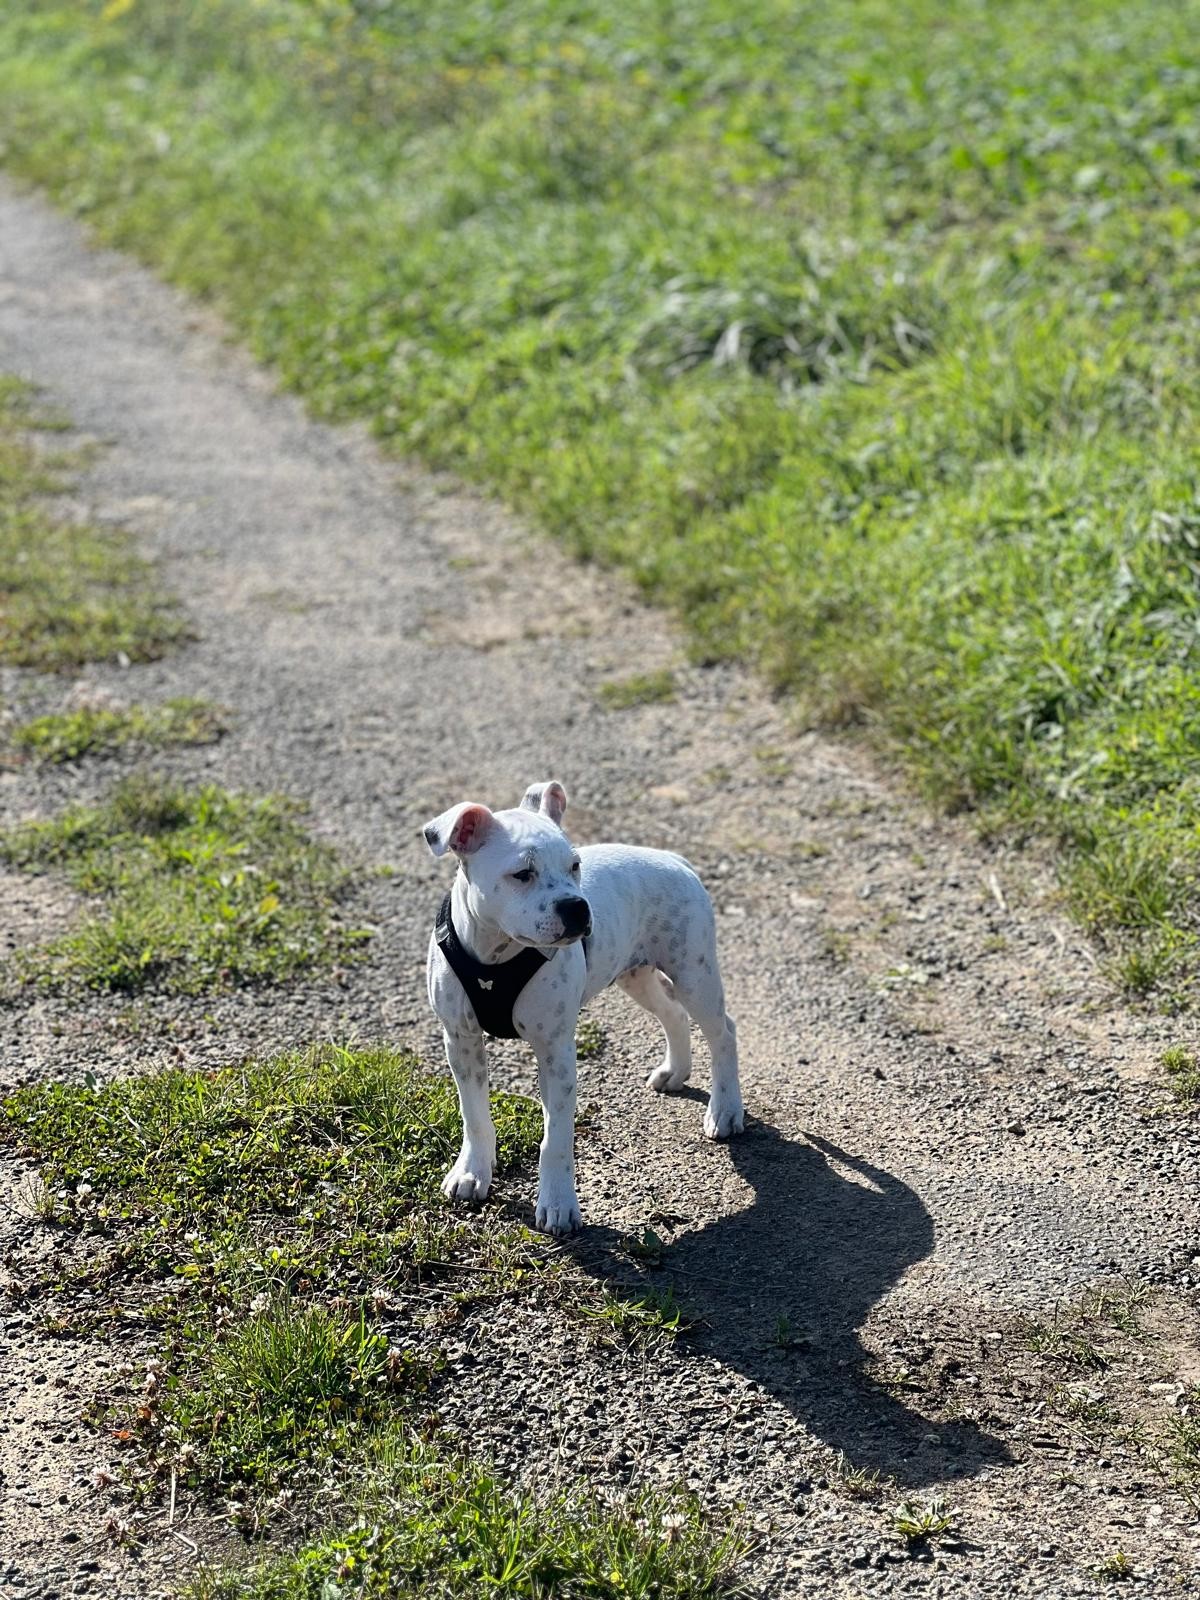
[956,1126]
[33,910]
[53,1533]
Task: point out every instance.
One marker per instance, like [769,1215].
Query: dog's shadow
[782,1289]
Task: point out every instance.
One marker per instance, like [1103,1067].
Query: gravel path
[953,1122]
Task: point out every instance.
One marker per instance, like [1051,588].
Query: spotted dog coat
[604,914]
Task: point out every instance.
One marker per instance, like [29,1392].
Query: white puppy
[531,930]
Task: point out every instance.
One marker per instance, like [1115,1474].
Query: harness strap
[491,988]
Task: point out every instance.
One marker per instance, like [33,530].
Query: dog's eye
[575,868]
[524,876]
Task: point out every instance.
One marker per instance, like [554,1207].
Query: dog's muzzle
[575,915]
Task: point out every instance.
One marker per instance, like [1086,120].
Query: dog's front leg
[470,1177]
[557,1203]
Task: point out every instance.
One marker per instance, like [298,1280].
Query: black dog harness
[491,989]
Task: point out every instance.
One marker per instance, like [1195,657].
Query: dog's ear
[548,798]
[462,829]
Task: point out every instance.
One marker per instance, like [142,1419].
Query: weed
[1084,1404]
[1064,1345]
[34,1201]
[1080,1330]
[642,689]
[68,735]
[647,1248]
[68,593]
[1116,1568]
[1183,1071]
[903,975]
[198,889]
[1079,1335]
[785,1335]
[589,1038]
[917,1523]
[774,763]
[649,1311]
[860,1483]
[893,1375]
[1117,1306]
[1182,1448]
[343,1143]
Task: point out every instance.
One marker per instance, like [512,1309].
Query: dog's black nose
[575,915]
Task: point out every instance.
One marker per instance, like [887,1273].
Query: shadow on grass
[827,1236]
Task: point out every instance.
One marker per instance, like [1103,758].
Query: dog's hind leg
[700,990]
[653,990]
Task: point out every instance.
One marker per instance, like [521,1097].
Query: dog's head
[521,869]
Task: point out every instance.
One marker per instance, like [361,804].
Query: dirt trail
[953,1120]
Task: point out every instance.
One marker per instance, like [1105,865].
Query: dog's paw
[669,1076]
[723,1120]
[557,1214]
[666,1078]
[467,1181]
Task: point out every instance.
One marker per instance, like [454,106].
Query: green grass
[266,1218]
[288,1387]
[296,1170]
[863,333]
[258,1213]
[69,735]
[448,1529]
[194,890]
[69,593]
